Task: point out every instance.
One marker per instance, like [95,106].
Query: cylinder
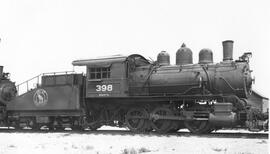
[223,115]
[184,56]
[205,56]
[223,119]
[227,50]
[163,58]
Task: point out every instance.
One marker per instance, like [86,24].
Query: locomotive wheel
[135,119]
[198,127]
[162,125]
[176,126]
[147,126]
[94,127]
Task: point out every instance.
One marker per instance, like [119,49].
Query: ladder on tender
[36,82]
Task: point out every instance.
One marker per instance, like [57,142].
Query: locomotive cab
[105,77]
[116,76]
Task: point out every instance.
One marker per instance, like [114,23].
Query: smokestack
[227,50]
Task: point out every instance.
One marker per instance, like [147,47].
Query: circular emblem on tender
[40,97]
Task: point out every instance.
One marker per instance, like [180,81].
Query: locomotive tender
[131,91]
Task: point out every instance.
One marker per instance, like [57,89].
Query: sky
[39,36]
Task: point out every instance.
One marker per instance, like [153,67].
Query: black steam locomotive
[131,91]
[7,93]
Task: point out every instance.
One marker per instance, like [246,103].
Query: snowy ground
[98,143]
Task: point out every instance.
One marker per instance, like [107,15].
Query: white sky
[40,36]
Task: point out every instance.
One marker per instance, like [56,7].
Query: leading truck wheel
[135,119]
[198,127]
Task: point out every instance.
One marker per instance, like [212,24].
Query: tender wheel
[198,127]
[162,125]
[135,119]
[36,127]
[77,128]
[59,128]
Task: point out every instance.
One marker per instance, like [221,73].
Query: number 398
[108,87]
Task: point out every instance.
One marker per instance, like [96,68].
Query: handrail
[58,73]
[36,81]
[29,80]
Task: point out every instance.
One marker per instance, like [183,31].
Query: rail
[35,81]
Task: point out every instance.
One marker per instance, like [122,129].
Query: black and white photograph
[134,76]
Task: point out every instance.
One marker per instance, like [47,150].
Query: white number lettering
[109,88]
[104,87]
[98,87]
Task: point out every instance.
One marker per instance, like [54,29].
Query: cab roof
[106,61]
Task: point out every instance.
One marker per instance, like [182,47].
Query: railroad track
[147,134]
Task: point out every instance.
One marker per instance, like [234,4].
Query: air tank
[184,56]
[163,58]
[227,50]
[205,56]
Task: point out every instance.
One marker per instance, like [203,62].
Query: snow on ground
[98,143]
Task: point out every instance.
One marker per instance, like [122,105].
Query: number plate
[104,88]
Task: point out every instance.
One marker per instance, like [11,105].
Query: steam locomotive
[142,95]
[7,93]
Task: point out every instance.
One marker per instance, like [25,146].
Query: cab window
[99,73]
